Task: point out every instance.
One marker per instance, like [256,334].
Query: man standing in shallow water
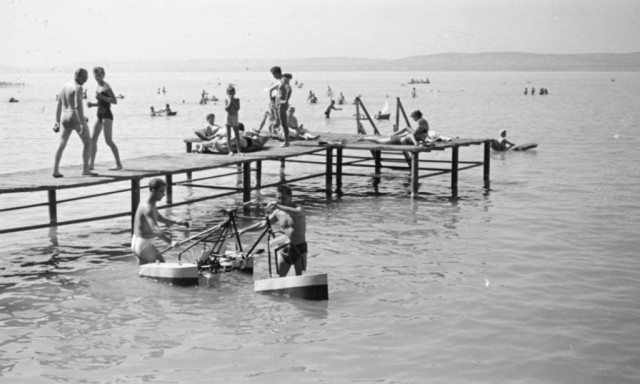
[70,114]
[146,228]
[293,222]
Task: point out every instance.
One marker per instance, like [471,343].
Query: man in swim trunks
[283,95]
[146,228]
[70,115]
[293,222]
[276,72]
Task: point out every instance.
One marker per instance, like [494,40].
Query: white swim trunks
[139,244]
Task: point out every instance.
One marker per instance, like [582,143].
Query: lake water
[535,280]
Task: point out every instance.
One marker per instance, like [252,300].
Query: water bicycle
[306,286]
[214,258]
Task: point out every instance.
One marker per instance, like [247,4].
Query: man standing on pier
[71,115]
[146,228]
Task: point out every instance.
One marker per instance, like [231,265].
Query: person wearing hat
[502,144]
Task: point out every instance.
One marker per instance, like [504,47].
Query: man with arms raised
[71,115]
[146,228]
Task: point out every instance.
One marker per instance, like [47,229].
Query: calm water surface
[535,280]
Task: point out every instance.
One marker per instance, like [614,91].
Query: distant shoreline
[445,62]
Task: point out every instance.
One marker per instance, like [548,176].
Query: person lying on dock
[502,144]
[404,136]
[249,141]
[293,223]
[146,228]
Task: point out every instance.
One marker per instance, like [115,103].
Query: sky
[41,33]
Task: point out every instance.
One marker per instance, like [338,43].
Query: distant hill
[492,61]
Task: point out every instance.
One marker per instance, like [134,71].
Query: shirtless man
[276,72]
[282,102]
[146,228]
[293,223]
[71,115]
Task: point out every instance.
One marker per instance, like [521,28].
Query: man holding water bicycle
[293,222]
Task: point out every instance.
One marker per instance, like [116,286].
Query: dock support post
[415,171]
[188,147]
[135,199]
[188,175]
[258,173]
[169,180]
[53,207]
[454,169]
[487,163]
[339,171]
[246,181]
[329,172]
[377,158]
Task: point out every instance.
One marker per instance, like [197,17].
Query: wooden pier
[335,151]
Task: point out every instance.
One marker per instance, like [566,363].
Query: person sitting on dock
[211,131]
[249,141]
[270,119]
[297,131]
[146,228]
[502,144]
[293,222]
[404,136]
[70,115]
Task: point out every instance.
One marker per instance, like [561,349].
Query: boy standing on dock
[232,106]
[293,222]
[146,228]
[70,115]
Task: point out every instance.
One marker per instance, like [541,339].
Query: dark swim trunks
[292,252]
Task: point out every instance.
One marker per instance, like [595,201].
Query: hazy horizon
[43,33]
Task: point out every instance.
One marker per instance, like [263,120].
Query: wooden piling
[246,181]
[135,199]
[329,172]
[339,171]
[486,167]
[415,173]
[53,206]
[169,179]
[258,173]
[454,168]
